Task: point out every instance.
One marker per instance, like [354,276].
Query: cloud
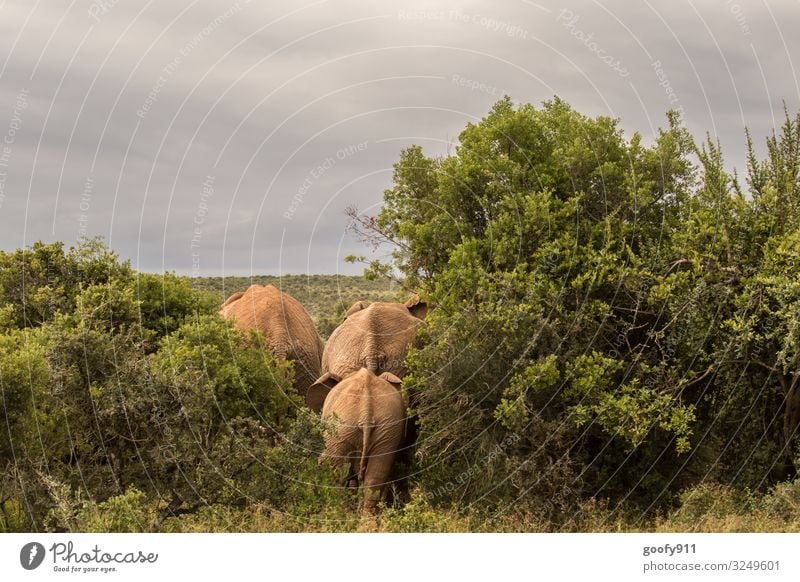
[144,102]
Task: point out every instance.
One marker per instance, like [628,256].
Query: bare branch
[369,231]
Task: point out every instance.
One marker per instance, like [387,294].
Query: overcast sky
[224,137]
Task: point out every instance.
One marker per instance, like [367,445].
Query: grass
[703,509]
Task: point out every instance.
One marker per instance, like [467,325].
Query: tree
[549,244]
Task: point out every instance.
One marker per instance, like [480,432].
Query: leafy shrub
[613,319]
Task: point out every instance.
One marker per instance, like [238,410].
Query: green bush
[612,319]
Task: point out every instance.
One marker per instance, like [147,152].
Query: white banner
[401,557]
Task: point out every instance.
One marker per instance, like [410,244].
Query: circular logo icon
[31,555]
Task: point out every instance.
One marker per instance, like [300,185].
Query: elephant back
[286,326]
[375,337]
[364,399]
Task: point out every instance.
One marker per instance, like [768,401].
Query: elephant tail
[366,433]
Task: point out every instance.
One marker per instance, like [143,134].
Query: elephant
[366,419]
[288,329]
[375,336]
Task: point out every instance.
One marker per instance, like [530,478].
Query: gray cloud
[133,106]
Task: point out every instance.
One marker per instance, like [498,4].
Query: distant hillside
[326,297]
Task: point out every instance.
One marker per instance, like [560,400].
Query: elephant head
[286,326]
[367,416]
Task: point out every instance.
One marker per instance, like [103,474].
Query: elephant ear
[417,307]
[357,306]
[392,379]
[318,391]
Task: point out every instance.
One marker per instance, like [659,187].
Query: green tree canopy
[612,318]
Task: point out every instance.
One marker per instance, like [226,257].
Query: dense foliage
[613,319]
[124,389]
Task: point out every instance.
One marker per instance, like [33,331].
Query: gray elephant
[366,419]
[288,329]
[375,336]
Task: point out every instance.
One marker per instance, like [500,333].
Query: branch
[383,272]
[675,264]
[758,363]
[716,366]
[368,230]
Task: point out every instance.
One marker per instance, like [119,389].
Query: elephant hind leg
[351,482]
[337,452]
[376,480]
[341,452]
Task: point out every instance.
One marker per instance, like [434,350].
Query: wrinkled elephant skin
[288,329]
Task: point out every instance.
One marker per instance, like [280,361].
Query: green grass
[703,509]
